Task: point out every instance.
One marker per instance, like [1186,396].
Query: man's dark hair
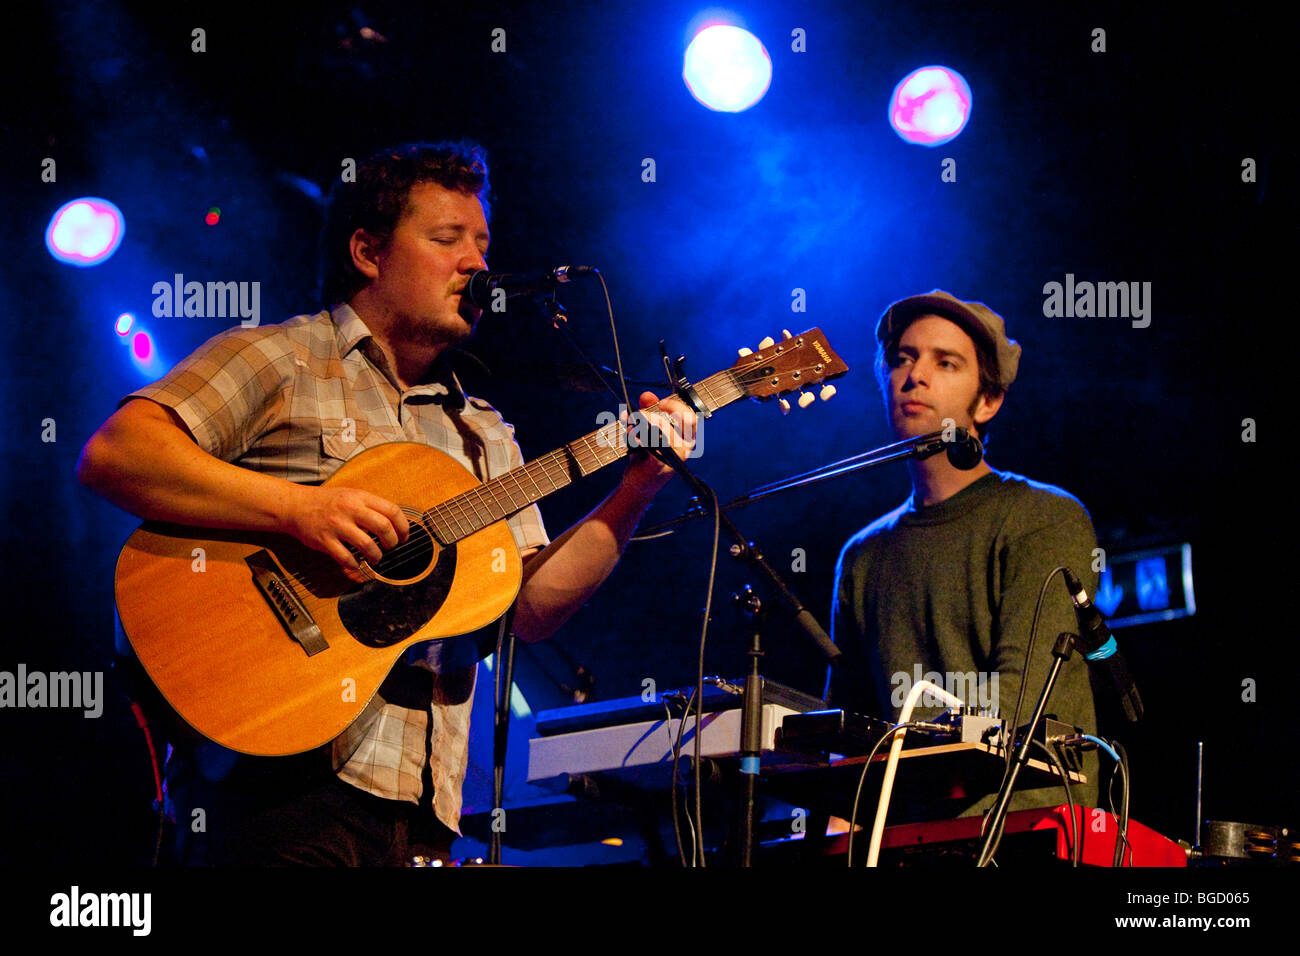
[380,196]
[989,385]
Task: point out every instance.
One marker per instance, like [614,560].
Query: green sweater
[951,589]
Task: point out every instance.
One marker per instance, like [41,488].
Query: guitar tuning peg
[806,399]
[785,334]
[769,341]
[744,352]
[827,393]
[785,406]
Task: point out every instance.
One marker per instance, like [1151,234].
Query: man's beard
[427,334]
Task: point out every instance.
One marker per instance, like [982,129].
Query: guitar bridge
[292,613]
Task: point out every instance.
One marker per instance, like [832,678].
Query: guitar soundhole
[379,614]
[409,559]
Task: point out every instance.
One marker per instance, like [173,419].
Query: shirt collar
[441,382]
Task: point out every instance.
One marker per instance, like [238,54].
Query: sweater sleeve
[1042,534]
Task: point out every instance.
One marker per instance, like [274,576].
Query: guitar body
[221,649]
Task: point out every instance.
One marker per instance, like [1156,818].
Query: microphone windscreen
[966,451]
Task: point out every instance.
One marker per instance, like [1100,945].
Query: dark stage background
[1117,166]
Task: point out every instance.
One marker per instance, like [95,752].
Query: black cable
[1118,859]
[699,682]
[1076,847]
[853,815]
[1024,673]
[1010,730]
[677,753]
[1069,799]
[699,693]
[597,369]
[708,605]
[498,771]
[713,564]
[618,355]
[986,858]
[672,790]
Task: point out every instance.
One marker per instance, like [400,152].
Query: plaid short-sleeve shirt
[297,399]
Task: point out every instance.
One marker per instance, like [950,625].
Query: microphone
[1099,647]
[966,451]
[482,284]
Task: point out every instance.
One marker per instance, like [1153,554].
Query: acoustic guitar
[269,647]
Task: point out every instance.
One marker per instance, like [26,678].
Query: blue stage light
[727,69]
[123,324]
[85,232]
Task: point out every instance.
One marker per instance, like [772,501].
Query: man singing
[240,435]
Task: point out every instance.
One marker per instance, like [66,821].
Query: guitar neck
[501,497]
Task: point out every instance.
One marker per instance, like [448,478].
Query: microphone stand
[1061,653]
[504,674]
[923,446]
[752,701]
[751,724]
[745,550]
[505,658]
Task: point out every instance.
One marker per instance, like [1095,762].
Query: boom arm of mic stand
[921,447]
[802,616]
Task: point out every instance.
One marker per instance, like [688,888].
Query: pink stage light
[931,106]
[85,232]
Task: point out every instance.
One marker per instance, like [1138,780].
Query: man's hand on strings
[676,424]
[334,520]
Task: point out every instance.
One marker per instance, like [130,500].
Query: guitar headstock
[796,361]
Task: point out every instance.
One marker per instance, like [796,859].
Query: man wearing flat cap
[947,582]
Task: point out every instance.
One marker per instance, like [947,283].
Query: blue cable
[1103,745]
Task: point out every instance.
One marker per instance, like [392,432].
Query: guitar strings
[473,509]
[466,512]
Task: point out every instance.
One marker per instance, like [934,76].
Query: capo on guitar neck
[684,389]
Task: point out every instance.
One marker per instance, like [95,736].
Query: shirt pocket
[341,439]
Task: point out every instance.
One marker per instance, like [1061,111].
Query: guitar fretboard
[501,497]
